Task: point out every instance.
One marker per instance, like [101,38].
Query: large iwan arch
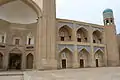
[16,14]
[24,16]
[31,3]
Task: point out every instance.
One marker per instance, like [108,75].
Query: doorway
[1,61]
[15,61]
[64,63]
[29,61]
[81,63]
[97,64]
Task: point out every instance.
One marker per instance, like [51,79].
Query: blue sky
[88,10]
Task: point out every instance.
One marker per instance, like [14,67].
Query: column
[75,54]
[50,17]
[38,47]
[75,58]
[23,65]
[5,61]
[92,47]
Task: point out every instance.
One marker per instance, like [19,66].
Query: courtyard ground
[111,73]
[105,73]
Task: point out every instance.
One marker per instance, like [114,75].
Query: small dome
[107,10]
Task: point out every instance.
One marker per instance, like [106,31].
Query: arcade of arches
[66,59]
[82,35]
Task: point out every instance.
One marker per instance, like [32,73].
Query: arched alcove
[97,37]
[29,61]
[15,59]
[84,58]
[99,58]
[82,35]
[65,33]
[65,58]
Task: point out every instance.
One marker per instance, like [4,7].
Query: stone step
[11,76]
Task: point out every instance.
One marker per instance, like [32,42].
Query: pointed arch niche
[99,58]
[29,61]
[82,35]
[97,37]
[84,58]
[65,58]
[65,33]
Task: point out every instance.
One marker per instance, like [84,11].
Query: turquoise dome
[107,10]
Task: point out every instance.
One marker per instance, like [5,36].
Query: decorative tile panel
[88,48]
[63,46]
[96,48]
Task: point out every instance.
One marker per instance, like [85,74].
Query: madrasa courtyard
[35,45]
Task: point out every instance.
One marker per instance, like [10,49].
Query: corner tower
[108,17]
[111,39]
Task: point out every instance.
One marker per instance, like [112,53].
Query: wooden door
[64,63]
[81,63]
[97,64]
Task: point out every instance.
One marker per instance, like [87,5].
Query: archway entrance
[15,61]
